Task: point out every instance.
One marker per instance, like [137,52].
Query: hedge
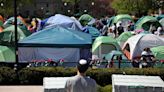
[35,75]
[8,76]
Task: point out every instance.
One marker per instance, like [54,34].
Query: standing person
[120,29]
[114,28]
[80,82]
[110,33]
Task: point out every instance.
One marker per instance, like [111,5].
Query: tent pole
[16,40]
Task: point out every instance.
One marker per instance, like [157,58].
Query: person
[158,32]
[152,28]
[110,63]
[143,63]
[80,82]
[114,28]
[148,57]
[136,62]
[110,33]
[120,29]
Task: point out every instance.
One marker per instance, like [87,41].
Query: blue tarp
[63,21]
[93,31]
[57,36]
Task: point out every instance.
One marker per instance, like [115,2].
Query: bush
[35,75]
[107,88]
[8,76]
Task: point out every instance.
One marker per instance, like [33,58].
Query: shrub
[35,75]
[8,76]
[107,88]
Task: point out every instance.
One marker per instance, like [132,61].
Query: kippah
[83,62]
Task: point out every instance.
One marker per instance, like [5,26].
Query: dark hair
[82,68]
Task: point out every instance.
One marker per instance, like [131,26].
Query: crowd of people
[115,30]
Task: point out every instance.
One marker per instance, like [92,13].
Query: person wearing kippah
[80,82]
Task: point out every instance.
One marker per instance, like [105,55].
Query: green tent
[85,19]
[121,17]
[162,22]
[8,35]
[145,22]
[115,54]
[109,21]
[160,17]
[103,45]
[123,38]
[110,55]
[10,22]
[7,54]
[158,52]
[1,23]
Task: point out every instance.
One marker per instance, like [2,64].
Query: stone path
[21,88]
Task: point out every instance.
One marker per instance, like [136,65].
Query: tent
[122,17]
[134,46]
[158,52]
[103,45]
[7,54]
[93,31]
[1,18]
[162,22]
[145,22]
[109,21]
[1,23]
[115,54]
[86,19]
[123,38]
[8,35]
[160,17]
[63,21]
[10,22]
[55,43]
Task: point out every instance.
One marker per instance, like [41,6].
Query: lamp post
[76,7]
[65,4]
[92,5]
[2,4]
[65,7]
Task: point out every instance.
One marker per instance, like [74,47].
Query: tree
[138,7]
[97,8]
[7,6]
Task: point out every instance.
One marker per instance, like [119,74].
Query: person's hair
[82,68]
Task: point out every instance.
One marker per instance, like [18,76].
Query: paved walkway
[21,88]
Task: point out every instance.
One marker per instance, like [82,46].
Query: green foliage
[35,75]
[107,88]
[8,6]
[71,1]
[133,6]
[7,76]
[102,76]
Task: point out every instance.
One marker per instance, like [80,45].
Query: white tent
[134,46]
[137,83]
[30,53]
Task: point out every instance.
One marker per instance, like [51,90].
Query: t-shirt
[80,84]
[120,30]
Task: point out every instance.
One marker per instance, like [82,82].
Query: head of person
[82,66]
